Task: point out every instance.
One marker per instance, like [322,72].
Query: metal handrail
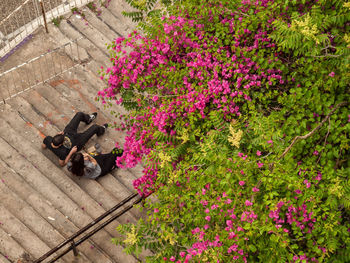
[87,227]
[14,88]
[12,38]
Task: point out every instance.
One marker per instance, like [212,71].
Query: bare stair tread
[97,38]
[9,247]
[45,208]
[23,235]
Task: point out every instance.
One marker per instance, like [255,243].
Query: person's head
[77,160]
[58,140]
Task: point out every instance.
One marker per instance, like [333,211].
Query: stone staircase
[41,204]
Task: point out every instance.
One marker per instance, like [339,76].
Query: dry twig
[313,131]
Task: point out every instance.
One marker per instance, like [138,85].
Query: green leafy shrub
[239,111]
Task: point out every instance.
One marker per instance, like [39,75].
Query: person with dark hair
[86,166]
[70,141]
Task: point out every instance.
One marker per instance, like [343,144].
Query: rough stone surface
[38,189]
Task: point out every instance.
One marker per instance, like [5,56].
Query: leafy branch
[313,131]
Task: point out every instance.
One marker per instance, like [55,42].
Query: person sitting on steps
[86,166]
[70,141]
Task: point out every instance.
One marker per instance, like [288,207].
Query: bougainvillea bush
[239,113]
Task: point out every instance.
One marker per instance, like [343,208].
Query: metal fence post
[74,248]
[44,15]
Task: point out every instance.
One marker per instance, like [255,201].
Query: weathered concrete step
[99,85]
[85,202]
[27,215]
[4,259]
[56,116]
[116,186]
[96,37]
[100,25]
[61,223]
[23,235]
[56,176]
[22,106]
[117,23]
[65,33]
[57,198]
[70,32]
[9,247]
[117,7]
[110,183]
[87,90]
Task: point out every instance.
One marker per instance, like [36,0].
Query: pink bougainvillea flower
[248,203]
[241,183]
[315,153]
[207,218]
[258,153]
[270,141]
[255,189]
[331,74]
[307,183]
[260,164]
[156,210]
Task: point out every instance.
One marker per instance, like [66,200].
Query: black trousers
[107,162]
[80,139]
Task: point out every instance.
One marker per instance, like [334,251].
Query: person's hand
[62,132]
[74,149]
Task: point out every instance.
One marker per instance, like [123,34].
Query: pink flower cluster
[291,214]
[215,79]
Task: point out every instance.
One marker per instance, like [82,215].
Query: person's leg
[72,126]
[106,162]
[82,138]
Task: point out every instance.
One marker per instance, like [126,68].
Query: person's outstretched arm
[64,162]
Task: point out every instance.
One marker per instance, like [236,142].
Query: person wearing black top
[65,143]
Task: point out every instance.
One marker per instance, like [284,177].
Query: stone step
[39,203]
[83,104]
[31,219]
[66,30]
[58,100]
[56,116]
[4,259]
[117,7]
[23,235]
[91,68]
[100,25]
[62,202]
[117,23]
[9,248]
[22,107]
[94,85]
[87,91]
[96,37]
[110,183]
[85,202]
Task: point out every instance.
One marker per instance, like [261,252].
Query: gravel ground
[27,13]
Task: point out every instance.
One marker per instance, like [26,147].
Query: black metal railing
[74,244]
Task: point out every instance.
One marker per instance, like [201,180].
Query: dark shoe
[92,117]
